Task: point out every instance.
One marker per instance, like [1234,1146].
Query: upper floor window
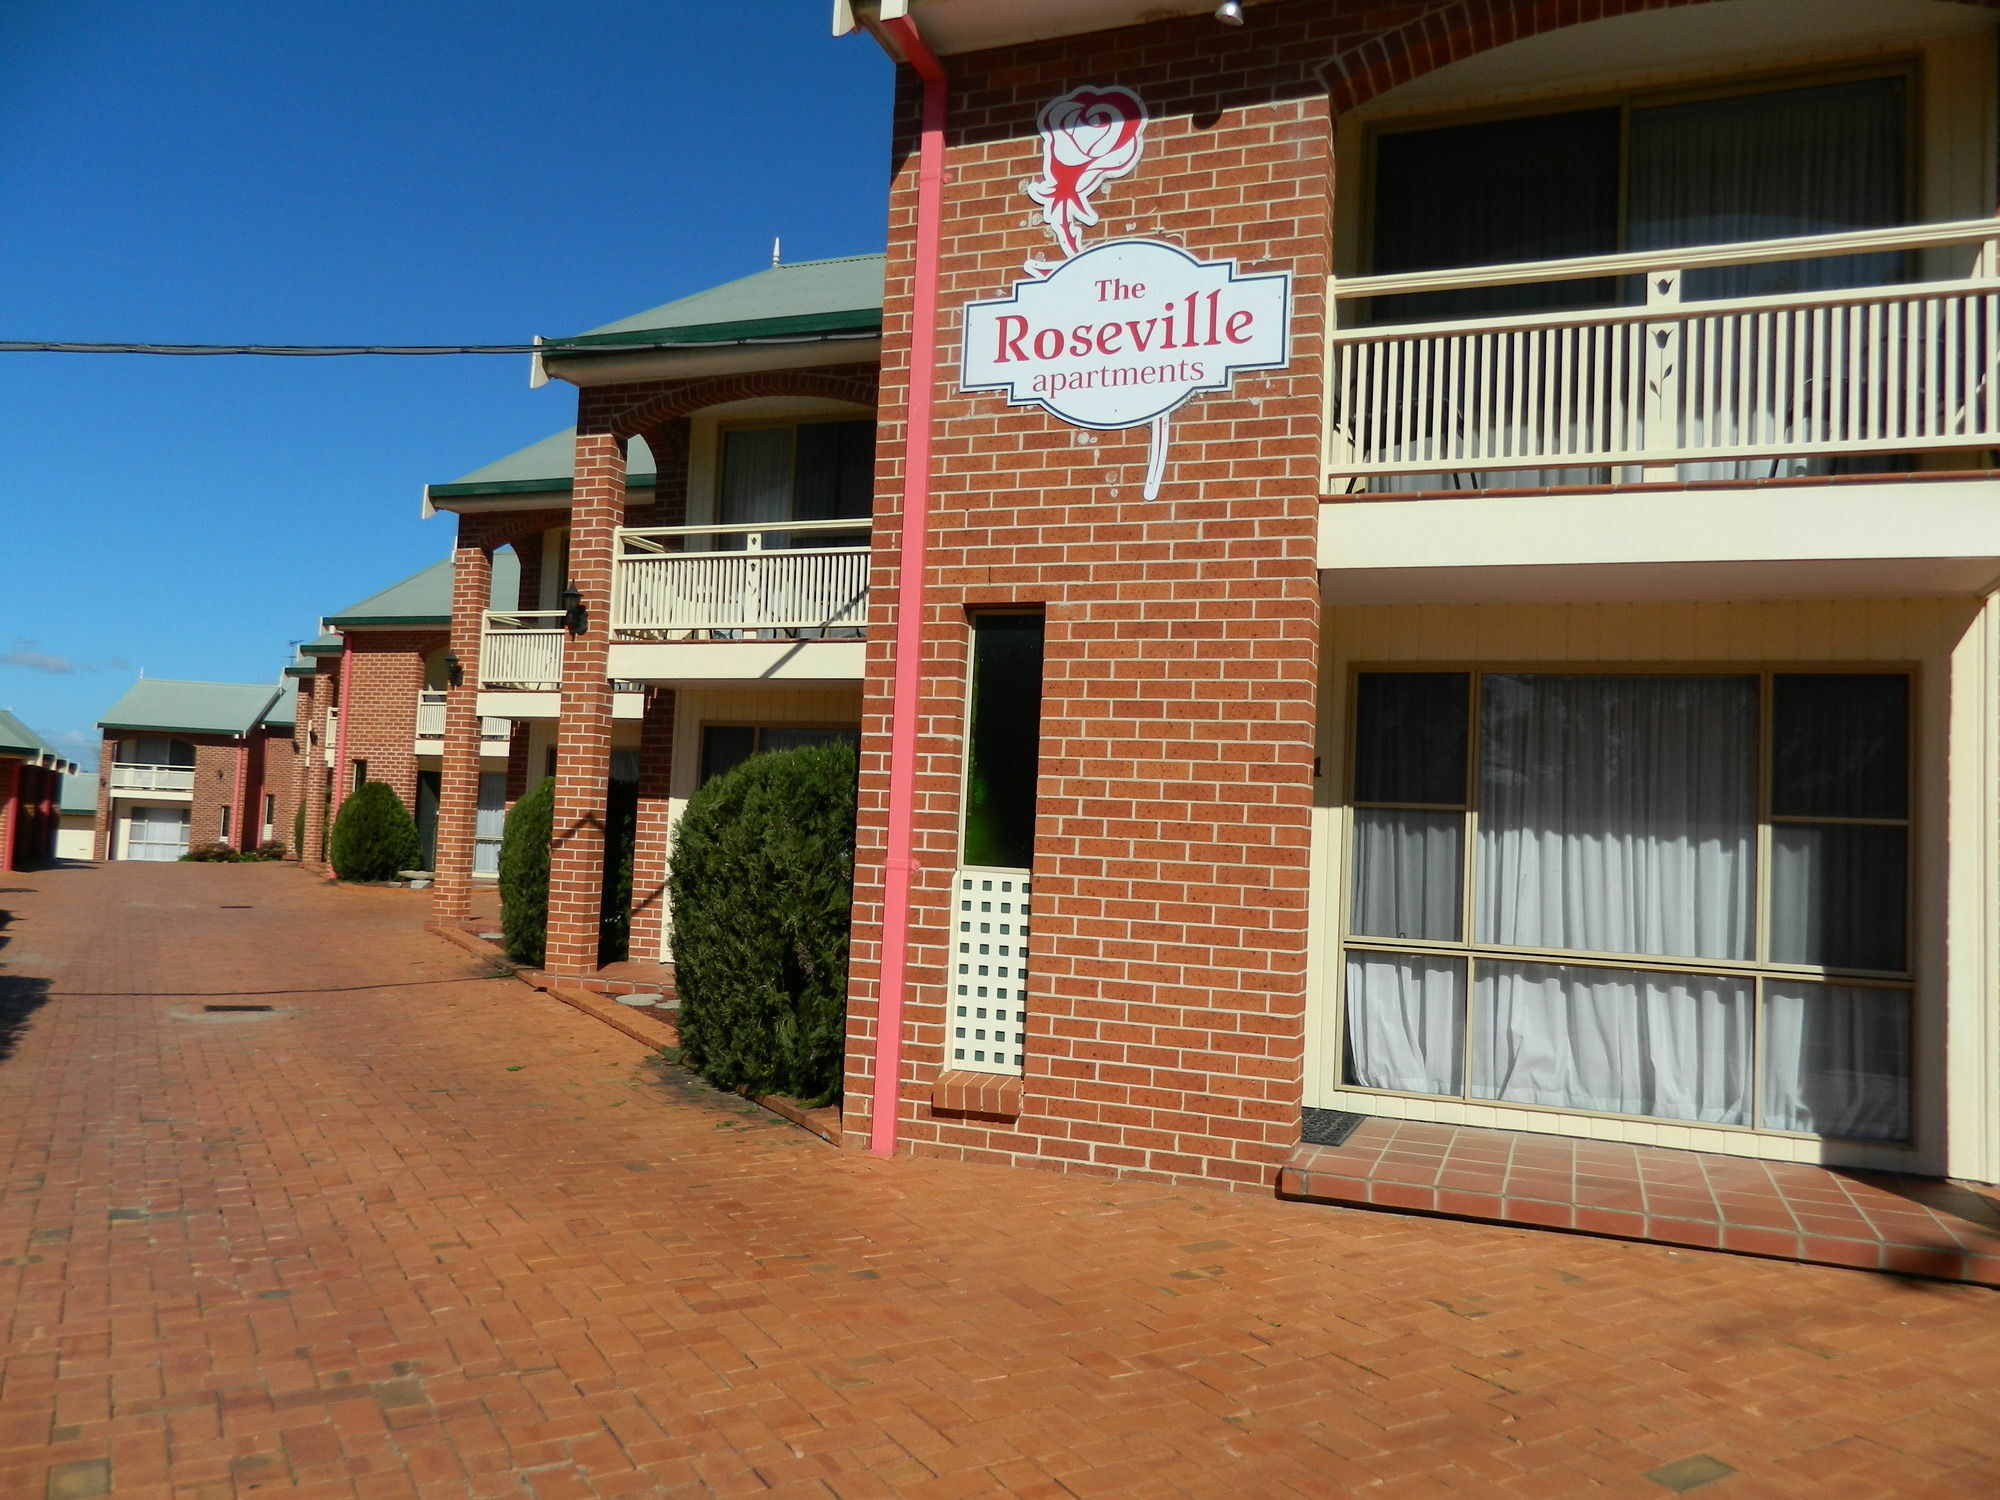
[156,750]
[1646,172]
[813,471]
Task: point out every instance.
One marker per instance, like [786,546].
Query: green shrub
[217,853]
[299,831]
[761,884]
[374,835]
[270,849]
[524,873]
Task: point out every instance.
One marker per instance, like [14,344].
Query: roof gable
[161,703]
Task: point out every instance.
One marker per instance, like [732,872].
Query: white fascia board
[613,368]
[1863,539]
[737,663]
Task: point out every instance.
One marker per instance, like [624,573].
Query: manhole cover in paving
[489,937]
[639,1001]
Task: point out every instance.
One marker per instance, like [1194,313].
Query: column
[318,773]
[10,814]
[302,751]
[583,729]
[649,838]
[458,780]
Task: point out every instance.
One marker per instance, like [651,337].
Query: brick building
[1434,562]
[186,764]
[1551,687]
[693,579]
[32,772]
[371,687]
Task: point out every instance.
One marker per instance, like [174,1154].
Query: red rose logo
[1089,136]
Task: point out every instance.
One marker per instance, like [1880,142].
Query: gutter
[898,862]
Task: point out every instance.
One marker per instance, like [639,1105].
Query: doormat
[1328,1127]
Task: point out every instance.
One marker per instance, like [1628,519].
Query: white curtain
[1620,1042]
[1405,1018]
[1837,1060]
[1406,873]
[490,824]
[1762,167]
[1836,895]
[1618,814]
[756,476]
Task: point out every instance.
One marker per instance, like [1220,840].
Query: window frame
[1906,65]
[724,426]
[757,728]
[1758,970]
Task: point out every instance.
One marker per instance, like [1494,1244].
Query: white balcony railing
[676,582]
[1872,370]
[522,650]
[140,776]
[430,719]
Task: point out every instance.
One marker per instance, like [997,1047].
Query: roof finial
[775,242]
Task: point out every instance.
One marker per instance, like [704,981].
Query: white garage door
[156,833]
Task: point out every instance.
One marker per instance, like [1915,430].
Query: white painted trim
[744,663]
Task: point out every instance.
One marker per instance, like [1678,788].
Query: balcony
[520,675]
[143,778]
[1674,387]
[494,732]
[711,604]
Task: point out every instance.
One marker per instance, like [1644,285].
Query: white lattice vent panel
[989,996]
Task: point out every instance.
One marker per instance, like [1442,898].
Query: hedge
[760,882]
[374,836]
[299,830]
[524,873]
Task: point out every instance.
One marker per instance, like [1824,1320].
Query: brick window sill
[991,1096]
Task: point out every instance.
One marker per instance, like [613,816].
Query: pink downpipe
[899,863]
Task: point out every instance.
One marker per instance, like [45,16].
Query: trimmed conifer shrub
[299,830]
[373,835]
[524,873]
[761,881]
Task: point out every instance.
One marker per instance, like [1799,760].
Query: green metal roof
[842,295]
[322,645]
[17,738]
[547,467]
[284,710]
[424,598]
[78,795]
[159,703]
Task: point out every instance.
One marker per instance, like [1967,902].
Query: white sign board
[1125,332]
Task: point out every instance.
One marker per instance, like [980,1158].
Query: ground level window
[724,747]
[1671,896]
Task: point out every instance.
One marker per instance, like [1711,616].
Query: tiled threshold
[1872,1221]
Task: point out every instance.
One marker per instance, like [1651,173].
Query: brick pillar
[103,833]
[458,781]
[649,838]
[517,761]
[239,832]
[583,730]
[10,813]
[318,774]
[302,748]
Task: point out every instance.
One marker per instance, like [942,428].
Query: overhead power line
[31,346]
[326,351]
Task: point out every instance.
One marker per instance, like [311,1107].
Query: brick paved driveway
[415,1232]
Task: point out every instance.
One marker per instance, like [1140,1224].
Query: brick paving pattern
[419,1233]
[1875,1220]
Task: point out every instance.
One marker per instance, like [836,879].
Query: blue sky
[440,172]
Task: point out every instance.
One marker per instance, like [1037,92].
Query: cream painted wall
[838,708]
[1953,645]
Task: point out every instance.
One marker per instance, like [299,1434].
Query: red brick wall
[385,671]
[1168,954]
[316,776]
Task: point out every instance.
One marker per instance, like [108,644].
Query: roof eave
[613,365]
